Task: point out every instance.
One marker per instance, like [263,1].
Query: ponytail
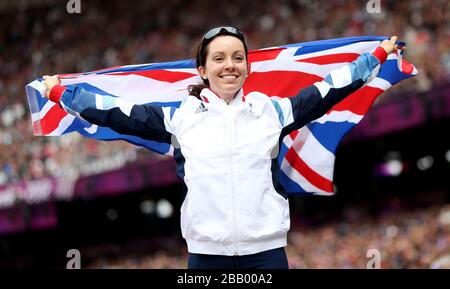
[195,89]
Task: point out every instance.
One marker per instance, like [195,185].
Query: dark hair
[202,51]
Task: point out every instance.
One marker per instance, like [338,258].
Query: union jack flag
[306,156]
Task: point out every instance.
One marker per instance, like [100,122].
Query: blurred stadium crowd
[45,39]
[408,234]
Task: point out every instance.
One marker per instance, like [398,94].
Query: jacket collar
[209,96]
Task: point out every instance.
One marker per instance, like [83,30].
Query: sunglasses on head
[222,29]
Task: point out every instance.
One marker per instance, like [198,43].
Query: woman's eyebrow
[221,52]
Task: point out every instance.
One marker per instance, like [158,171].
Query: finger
[393,40]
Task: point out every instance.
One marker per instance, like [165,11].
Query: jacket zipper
[230,121]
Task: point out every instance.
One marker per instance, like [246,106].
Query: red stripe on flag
[263,55]
[279,83]
[407,67]
[302,168]
[52,119]
[294,134]
[330,59]
[160,75]
[360,101]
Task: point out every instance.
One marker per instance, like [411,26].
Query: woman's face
[226,66]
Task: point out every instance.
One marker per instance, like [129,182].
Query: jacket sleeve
[145,121]
[314,101]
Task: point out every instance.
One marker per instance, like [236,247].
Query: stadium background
[119,204]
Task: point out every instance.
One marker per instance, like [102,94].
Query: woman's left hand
[49,82]
[390,45]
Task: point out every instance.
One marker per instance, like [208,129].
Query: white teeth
[229,76]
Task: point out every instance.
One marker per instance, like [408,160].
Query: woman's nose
[229,63]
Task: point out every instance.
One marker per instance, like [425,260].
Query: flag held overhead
[306,156]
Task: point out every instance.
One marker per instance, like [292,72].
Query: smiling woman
[225,67]
[222,63]
[235,213]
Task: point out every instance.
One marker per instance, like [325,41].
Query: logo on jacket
[251,110]
[201,108]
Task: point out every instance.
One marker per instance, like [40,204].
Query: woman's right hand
[50,82]
[390,45]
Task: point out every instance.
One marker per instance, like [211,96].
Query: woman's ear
[249,68]
[202,72]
